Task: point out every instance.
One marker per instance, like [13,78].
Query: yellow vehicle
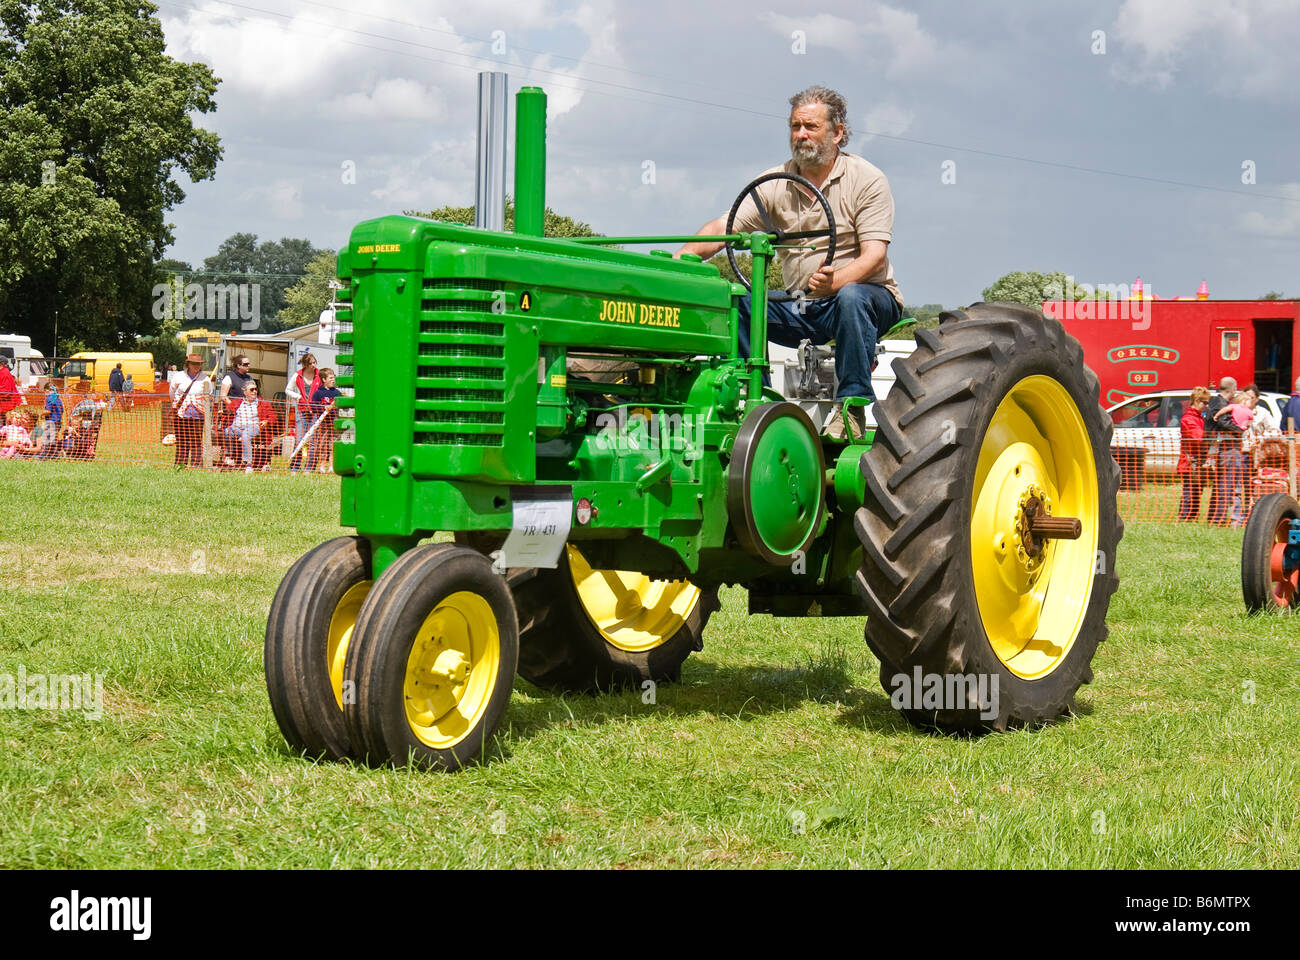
[93,369]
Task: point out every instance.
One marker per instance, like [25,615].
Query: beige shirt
[859,196]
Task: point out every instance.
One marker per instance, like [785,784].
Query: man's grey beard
[809,154]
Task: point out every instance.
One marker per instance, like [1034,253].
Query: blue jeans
[245,435]
[853,318]
[1231,476]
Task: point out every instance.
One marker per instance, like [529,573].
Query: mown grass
[161,582]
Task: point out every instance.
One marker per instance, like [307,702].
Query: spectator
[1191,461]
[115,381]
[188,393]
[10,396]
[16,438]
[1225,436]
[54,406]
[299,393]
[322,405]
[77,439]
[268,426]
[128,392]
[245,426]
[237,378]
[46,437]
[1240,411]
[1264,423]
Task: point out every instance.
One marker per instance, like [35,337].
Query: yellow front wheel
[990,524]
[432,659]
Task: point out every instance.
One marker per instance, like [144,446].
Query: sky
[1108,140]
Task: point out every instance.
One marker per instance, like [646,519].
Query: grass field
[1183,752]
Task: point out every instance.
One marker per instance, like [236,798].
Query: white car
[1150,422]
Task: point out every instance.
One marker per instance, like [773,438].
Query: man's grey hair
[1297,384]
[837,111]
[1228,383]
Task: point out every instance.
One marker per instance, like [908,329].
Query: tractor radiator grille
[460,362]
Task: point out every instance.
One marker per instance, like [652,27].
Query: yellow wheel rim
[632,611]
[452,670]
[342,622]
[1032,607]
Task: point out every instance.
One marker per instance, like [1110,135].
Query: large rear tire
[1264,586]
[308,631]
[993,414]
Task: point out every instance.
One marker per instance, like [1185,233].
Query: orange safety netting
[142,428]
[1218,484]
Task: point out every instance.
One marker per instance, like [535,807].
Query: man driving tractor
[852,299]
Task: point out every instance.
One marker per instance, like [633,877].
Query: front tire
[994,413]
[308,631]
[433,659]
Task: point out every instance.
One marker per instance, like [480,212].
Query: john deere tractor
[580,417]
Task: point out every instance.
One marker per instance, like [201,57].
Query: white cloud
[886,32]
[394,98]
[282,198]
[1287,221]
[889,119]
[1247,45]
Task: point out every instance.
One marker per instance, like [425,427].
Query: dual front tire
[414,668]
[418,666]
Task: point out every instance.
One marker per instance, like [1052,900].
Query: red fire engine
[1142,345]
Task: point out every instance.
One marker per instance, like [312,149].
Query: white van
[27,365]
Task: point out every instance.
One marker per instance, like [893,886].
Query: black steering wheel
[770,227]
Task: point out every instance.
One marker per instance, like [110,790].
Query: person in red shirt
[1191,460]
[299,391]
[10,397]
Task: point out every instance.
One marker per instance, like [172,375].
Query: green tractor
[582,420]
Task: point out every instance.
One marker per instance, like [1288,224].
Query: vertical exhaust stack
[530,161]
[490,174]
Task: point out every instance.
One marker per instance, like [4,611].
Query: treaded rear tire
[1257,550]
[916,575]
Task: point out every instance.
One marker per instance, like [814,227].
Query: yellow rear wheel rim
[342,622]
[630,610]
[1032,608]
[451,672]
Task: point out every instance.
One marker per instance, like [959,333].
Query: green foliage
[305,300]
[274,266]
[95,120]
[1030,288]
[1274,295]
[926,315]
[554,225]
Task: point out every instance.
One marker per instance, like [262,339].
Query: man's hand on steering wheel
[822,283]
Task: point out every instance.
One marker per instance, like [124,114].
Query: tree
[1274,295]
[1031,288]
[554,225]
[305,300]
[95,119]
[268,269]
